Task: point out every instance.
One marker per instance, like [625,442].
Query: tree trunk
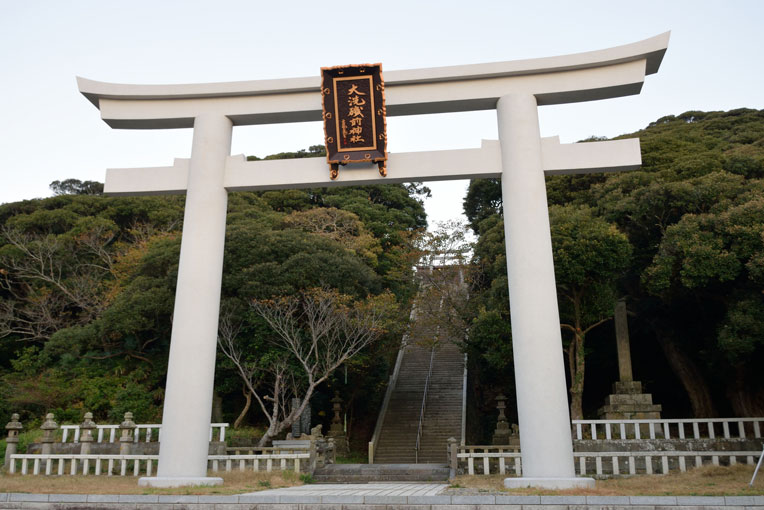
[746,399]
[248,396]
[268,436]
[577,367]
[691,379]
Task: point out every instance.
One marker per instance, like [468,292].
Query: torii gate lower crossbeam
[521,158]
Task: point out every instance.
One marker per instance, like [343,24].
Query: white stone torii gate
[521,158]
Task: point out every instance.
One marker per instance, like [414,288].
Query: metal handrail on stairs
[421,412]
[386,402]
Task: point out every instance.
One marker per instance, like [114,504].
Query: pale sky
[49,131]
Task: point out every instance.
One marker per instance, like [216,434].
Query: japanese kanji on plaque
[354,116]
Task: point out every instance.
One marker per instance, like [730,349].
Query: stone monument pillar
[627,402]
[12,441]
[501,434]
[336,430]
[305,421]
[126,437]
[296,426]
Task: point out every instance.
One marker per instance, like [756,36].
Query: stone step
[344,473]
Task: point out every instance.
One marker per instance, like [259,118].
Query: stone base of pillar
[501,434]
[627,402]
[180,481]
[341,447]
[549,483]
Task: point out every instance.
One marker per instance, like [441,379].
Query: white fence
[700,428]
[142,432]
[136,465]
[501,460]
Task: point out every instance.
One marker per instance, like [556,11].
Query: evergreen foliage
[87,288]
[693,218]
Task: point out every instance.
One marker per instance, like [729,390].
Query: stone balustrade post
[453,448]
[313,460]
[331,451]
[127,428]
[12,441]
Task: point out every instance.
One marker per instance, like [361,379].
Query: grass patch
[243,436]
[233,483]
[704,481]
[354,457]
[25,438]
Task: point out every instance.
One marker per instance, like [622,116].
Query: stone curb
[390,502]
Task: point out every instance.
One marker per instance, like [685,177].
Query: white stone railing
[485,460]
[280,461]
[142,433]
[644,459]
[56,464]
[693,428]
[136,465]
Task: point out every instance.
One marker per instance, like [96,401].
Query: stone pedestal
[627,402]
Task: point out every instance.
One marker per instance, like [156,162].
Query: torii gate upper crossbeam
[589,76]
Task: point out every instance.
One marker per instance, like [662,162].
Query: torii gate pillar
[545,439]
[191,364]
[521,159]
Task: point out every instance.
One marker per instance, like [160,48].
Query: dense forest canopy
[87,287]
[682,239]
[87,283]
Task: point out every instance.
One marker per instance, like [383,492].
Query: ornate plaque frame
[355,126]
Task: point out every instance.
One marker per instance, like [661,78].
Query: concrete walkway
[358,489]
[289,499]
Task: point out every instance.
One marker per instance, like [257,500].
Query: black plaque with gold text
[354,116]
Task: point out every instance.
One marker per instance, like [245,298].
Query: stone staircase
[443,407]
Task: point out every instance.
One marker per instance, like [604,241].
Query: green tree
[76,187]
[589,256]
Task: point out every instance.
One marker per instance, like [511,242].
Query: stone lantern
[501,434]
[86,433]
[49,428]
[336,430]
[126,437]
[12,441]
